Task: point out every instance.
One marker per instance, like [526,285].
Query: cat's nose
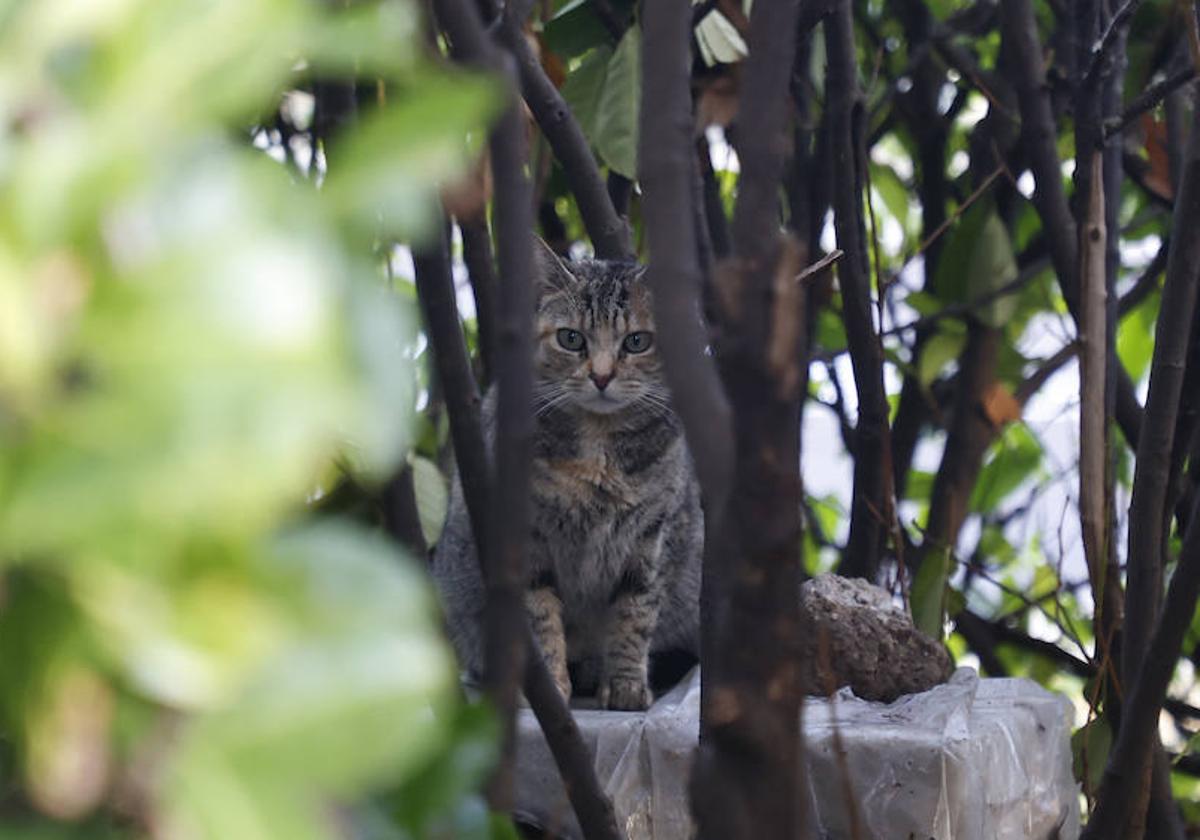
[601,379]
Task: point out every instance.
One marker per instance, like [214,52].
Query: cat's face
[596,347]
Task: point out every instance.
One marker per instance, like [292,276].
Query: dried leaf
[1000,405]
[1158,176]
[551,63]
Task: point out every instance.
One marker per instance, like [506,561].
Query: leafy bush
[189,335]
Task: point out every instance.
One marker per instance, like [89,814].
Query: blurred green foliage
[190,334]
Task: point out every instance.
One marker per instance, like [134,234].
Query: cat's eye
[569,339]
[638,342]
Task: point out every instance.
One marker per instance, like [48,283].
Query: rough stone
[858,637]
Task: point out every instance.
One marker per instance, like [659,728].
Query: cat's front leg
[633,614]
[545,619]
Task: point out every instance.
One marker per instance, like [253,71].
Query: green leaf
[432,497]
[1090,745]
[831,332]
[584,87]
[577,28]
[977,260]
[1016,456]
[944,347]
[440,799]
[993,265]
[394,161]
[924,303]
[616,131]
[919,484]
[892,190]
[1135,337]
[927,596]
[952,277]
[344,704]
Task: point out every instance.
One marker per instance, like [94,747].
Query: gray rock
[858,637]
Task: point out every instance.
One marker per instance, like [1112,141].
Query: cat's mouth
[602,402]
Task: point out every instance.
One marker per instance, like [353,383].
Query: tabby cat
[614,565]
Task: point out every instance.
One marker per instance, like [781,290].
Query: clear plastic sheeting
[969,760]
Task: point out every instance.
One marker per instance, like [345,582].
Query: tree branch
[1132,752]
[510,649]
[1147,515]
[608,231]
[505,622]
[481,269]
[864,549]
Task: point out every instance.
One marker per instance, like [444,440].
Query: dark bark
[435,291]
[919,108]
[481,268]
[1136,742]
[1039,135]
[400,518]
[714,209]
[674,270]
[1151,97]
[969,435]
[510,524]
[744,784]
[1173,334]
[1148,515]
[608,231]
[1147,282]
[501,532]
[620,190]
[870,508]
[753,745]
[335,107]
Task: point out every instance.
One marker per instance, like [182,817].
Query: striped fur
[617,528]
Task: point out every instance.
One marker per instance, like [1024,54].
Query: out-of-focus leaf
[977,260]
[927,597]
[919,485]
[395,160]
[1090,745]
[999,405]
[944,347]
[616,130]
[1016,455]
[1135,337]
[895,192]
[139,447]
[993,266]
[345,704]
[1044,583]
[429,487]
[831,332]
[438,800]
[190,334]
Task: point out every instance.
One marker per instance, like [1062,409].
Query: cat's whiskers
[658,405]
[546,398]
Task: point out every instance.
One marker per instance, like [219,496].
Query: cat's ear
[551,271]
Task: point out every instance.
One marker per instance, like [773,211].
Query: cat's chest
[592,474]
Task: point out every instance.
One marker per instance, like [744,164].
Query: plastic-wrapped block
[969,760]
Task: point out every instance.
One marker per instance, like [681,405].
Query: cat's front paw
[627,694]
